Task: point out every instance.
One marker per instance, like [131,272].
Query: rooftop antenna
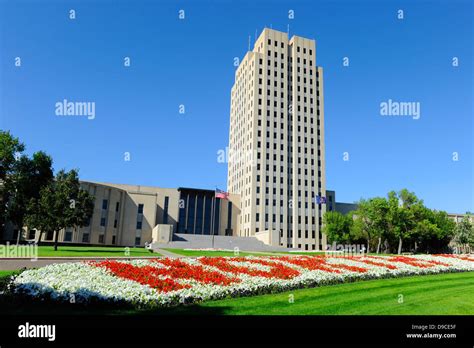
[249,42]
[288,30]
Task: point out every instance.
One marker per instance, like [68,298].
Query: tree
[61,204]
[401,219]
[464,231]
[370,221]
[10,148]
[444,234]
[337,227]
[39,212]
[403,208]
[29,176]
[423,234]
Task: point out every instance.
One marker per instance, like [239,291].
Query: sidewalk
[10,263]
[167,253]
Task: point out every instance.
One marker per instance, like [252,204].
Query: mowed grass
[88,251]
[442,294]
[5,274]
[197,253]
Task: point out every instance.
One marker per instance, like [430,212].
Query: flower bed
[169,282]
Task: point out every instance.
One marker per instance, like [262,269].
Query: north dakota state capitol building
[278,196]
[277,112]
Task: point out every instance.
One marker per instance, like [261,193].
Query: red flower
[277,270]
[145,275]
[181,270]
[314,263]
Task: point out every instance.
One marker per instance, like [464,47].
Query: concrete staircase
[193,241]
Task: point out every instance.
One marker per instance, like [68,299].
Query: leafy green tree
[404,208]
[423,234]
[61,204]
[29,176]
[371,222]
[401,219]
[464,231]
[10,148]
[445,233]
[39,214]
[337,227]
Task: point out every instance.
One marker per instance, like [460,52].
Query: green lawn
[5,274]
[81,251]
[444,294]
[196,253]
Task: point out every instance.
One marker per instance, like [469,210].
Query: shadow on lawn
[24,306]
[17,304]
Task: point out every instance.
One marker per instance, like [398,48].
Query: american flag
[221,194]
[320,200]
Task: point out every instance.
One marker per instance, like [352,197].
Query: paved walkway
[11,264]
[167,253]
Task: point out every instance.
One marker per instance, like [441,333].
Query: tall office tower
[277,120]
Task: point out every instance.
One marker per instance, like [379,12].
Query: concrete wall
[269,237]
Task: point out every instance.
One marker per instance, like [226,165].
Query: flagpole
[214,217]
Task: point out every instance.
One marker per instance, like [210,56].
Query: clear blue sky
[190,62]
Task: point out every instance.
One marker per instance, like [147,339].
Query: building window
[101,238]
[114,239]
[85,238]
[32,234]
[191,215]
[139,225]
[165,210]
[102,222]
[182,215]
[117,206]
[140,209]
[68,236]
[137,241]
[207,215]
[104,204]
[229,215]
[199,213]
[216,216]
